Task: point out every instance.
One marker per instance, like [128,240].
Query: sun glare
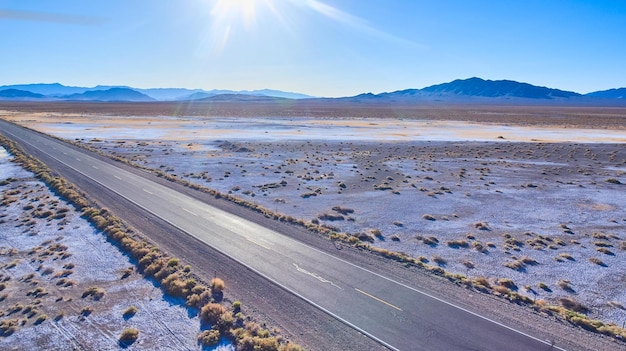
[234,9]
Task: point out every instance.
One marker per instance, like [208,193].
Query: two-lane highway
[397,315]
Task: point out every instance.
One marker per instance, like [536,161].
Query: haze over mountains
[460,90]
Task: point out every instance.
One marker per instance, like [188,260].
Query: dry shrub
[429,217]
[431,240]
[174,286]
[468,264]
[597,261]
[129,336]
[481,225]
[457,243]
[516,265]
[217,285]
[365,237]
[211,312]
[502,290]
[129,312]
[209,337]
[605,251]
[507,283]
[573,305]
[94,291]
[439,260]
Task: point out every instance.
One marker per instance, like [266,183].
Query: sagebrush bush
[217,285]
[129,336]
[211,312]
[209,337]
[130,311]
[573,305]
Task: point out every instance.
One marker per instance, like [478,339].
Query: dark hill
[113,94]
[498,88]
[18,94]
[610,94]
[242,98]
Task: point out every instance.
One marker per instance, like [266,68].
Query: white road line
[78,159]
[94,167]
[318,277]
[258,243]
[149,192]
[186,210]
[116,177]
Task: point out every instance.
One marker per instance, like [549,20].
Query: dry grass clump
[128,336]
[9,326]
[343,210]
[430,240]
[567,256]
[478,246]
[516,265]
[129,312]
[94,291]
[482,281]
[507,283]
[210,337]
[330,217]
[565,285]
[217,285]
[429,217]
[365,237]
[613,181]
[573,305]
[543,286]
[439,260]
[597,261]
[211,312]
[457,244]
[468,264]
[605,251]
[481,226]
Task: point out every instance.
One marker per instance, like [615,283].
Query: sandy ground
[548,198]
[48,261]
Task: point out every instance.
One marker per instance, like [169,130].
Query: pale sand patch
[185,129]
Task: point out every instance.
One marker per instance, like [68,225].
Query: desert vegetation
[514,175]
[175,280]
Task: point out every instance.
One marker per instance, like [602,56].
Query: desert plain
[531,194]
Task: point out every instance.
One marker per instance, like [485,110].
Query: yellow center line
[378,299]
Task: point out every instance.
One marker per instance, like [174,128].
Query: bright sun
[231,9]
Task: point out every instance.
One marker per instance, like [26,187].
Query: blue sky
[317,47]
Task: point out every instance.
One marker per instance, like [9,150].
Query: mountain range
[460,90]
[56,91]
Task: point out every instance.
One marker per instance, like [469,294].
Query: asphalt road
[396,315]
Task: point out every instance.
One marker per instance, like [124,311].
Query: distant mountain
[241,98]
[610,94]
[16,94]
[477,87]
[472,90]
[168,94]
[196,96]
[264,92]
[57,90]
[54,89]
[112,94]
